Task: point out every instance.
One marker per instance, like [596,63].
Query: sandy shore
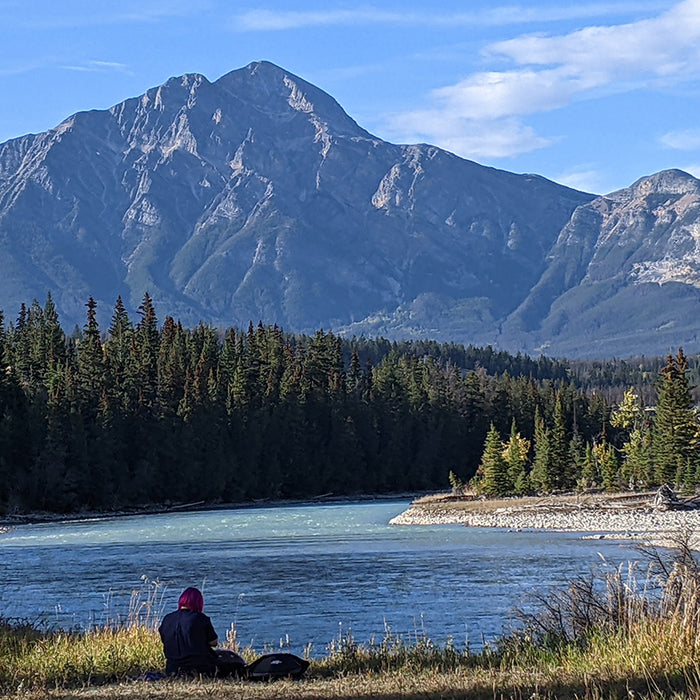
[600,516]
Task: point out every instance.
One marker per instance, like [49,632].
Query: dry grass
[482,684]
[469,503]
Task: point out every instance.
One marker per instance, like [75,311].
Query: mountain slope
[623,276]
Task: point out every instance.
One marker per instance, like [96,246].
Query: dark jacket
[187,642]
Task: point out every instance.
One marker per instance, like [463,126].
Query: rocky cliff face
[256,197]
[623,276]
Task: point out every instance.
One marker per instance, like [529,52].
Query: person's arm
[212,636]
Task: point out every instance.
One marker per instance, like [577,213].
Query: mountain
[256,197]
[623,277]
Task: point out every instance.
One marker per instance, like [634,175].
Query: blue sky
[592,94]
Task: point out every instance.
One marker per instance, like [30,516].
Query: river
[295,575]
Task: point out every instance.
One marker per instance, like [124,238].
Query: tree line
[147,413]
[640,446]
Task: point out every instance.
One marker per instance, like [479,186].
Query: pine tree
[91,370]
[121,361]
[559,448]
[540,476]
[493,470]
[675,430]
[577,456]
[147,346]
[608,466]
[629,414]
[589,471]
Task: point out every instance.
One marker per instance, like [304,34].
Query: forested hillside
[149,413]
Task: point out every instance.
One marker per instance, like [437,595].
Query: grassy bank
[565,502]
[615,634]
[654,661]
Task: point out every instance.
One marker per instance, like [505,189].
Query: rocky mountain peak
[675,182]
[279,94]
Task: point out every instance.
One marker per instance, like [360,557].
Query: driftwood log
[667,499]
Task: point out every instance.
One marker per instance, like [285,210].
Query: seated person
[189,639]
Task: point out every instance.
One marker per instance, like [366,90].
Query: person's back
[188,637]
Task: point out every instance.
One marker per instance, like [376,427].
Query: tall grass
[620,625]
[623,631]
[122,647]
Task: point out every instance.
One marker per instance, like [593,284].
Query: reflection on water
[307,572]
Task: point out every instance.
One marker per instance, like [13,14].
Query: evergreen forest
[149,413]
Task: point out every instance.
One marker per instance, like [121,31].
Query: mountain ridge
[256,197]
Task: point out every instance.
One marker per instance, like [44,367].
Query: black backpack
[279,665]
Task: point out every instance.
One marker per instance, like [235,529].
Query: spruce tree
[355,374]
[91,370]
[589,470]
[540,476]
[675,429]
[121,361]
[55,338]
[607,465]
[147,345]
[577,456]
[493,470]
[559,448]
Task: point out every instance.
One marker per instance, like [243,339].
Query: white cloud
[683,140]
[269,20]
[662,46]
[582,180]
[550,72]
[97,67]
[467,137]
[498,94]
[278,20]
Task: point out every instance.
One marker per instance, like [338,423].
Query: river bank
[8,521]
[601,516]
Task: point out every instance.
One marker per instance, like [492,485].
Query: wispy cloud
[22,68]
[682,140]
[279,20]
[551,72]
[583,179]
[471,138]
[97,67]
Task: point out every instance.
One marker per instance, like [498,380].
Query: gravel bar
[593,520]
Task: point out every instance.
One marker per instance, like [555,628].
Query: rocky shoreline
[593,519]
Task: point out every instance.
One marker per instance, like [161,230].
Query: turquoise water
[302,573]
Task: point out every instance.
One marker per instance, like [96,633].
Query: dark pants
[223,664]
